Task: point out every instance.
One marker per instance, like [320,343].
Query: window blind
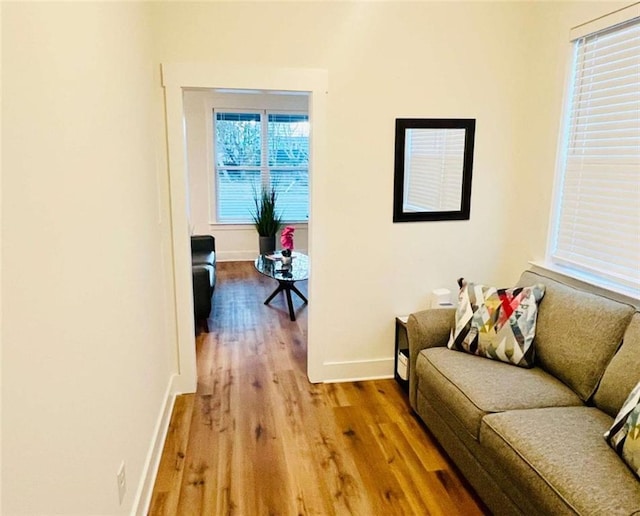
[238,148]
[253,149]
[597,230]
[288,141]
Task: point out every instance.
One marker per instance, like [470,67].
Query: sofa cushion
[473,387]
[561,460]
[622,373]
[471,458]
[203,258]
[624,434]
[499,324]
[577,333]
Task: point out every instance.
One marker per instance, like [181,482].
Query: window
[260,148]
[595,232]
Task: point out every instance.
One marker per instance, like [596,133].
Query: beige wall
[501,63]
[87,330]
[1,273]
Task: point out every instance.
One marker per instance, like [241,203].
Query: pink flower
[286,239]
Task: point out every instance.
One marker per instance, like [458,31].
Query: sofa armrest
[203,244]
[426,329]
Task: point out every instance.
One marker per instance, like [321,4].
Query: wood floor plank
[358,437]
[199,476]
[258,438]
[262,444]
[337,478]
[405,467]
[312,497]
[395,403]
[171,467]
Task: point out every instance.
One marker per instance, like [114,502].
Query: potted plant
[265,218]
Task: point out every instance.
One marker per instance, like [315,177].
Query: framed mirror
[433,165]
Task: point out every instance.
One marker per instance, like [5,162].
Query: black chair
[203,267]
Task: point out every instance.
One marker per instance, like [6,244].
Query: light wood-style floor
[258,439]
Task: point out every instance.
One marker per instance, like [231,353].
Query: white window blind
[261,148]
[288,140]
[238,149]
[597,223]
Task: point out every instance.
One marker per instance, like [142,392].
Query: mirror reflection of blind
[433,169]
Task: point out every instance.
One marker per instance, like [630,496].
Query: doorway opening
[238,141]
[177,79]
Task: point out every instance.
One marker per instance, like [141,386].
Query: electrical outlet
[122,482]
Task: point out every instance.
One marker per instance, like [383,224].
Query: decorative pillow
[497,323]
[624,434]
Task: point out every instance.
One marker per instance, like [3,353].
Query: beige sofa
[530,441]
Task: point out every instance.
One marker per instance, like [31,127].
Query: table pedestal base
[287,287]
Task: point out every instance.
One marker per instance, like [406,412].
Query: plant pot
[267,244]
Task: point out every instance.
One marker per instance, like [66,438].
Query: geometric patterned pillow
[624,434]
[497,323]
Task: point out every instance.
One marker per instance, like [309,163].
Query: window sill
[617,292]
[250,227]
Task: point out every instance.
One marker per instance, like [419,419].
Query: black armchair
[203,267]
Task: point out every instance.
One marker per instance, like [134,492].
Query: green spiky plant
[265,217]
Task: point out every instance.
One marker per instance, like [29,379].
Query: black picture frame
[400,214]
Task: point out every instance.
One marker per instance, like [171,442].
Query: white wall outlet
[122,482]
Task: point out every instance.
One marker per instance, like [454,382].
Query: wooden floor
[258,439]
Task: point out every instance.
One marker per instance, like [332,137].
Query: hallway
[258,438]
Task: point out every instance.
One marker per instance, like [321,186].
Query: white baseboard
[184,383]
[150,470]
[357,370]
[236,256]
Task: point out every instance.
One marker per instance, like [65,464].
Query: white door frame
[176,77]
